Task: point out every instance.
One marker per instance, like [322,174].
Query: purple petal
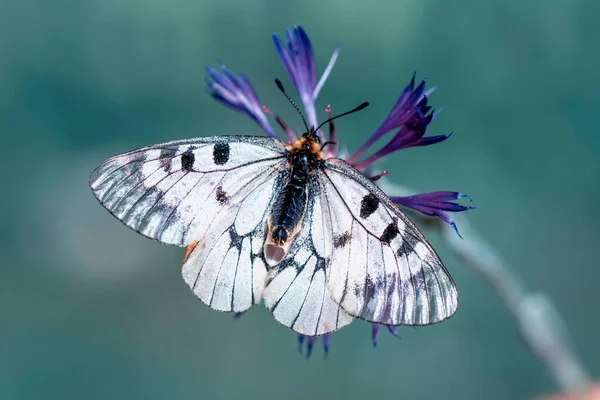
[326,339]
[404,139]
[426,141]
[300,342]
[307,58]
[238,93]
[393,330]
[310,342]
[299,62]
[439,196]
[435,204]
[309,345]
[285,57]
[410,111]
[375,333]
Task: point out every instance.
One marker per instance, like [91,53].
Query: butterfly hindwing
[225,269]
[382,268]
[172,192]
[296,291]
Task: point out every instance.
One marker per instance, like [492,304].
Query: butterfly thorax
[292,199]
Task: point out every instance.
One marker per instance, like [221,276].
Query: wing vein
[174,210]
[148,190]
[160,197]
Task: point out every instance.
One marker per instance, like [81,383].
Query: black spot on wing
[390,232]
[406,247]
[236,240]
[342,240]
[321,265]
[221,153]
[368,205]
[187,160]
[221,196]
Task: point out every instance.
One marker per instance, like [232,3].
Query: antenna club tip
[328,108]
[279,85]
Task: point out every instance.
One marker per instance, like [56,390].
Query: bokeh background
[90,310]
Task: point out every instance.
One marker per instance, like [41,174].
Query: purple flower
[298,60]
[409,117]
[435,204]
[238,94]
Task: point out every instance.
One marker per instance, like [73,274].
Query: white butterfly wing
[356,254]
[226,269]
[296,291]
[172,192]
[382,268]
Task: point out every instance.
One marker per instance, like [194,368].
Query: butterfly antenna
[280,86]
[363,105]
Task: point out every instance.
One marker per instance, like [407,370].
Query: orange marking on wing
[189,249]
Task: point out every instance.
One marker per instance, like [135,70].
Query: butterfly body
[304,158]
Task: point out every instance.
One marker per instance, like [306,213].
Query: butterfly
[266,221]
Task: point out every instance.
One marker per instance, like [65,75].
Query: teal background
[90,310]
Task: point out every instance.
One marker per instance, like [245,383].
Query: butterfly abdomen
[290,205]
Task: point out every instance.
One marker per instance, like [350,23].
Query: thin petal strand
[375,333]
[403,140]
[327,71]
[309,345]
[326,339]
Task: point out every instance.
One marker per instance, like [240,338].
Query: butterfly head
[308,144]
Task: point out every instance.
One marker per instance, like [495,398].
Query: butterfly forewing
[172,192]
[382,269]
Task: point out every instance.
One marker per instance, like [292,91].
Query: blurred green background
[90,310]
